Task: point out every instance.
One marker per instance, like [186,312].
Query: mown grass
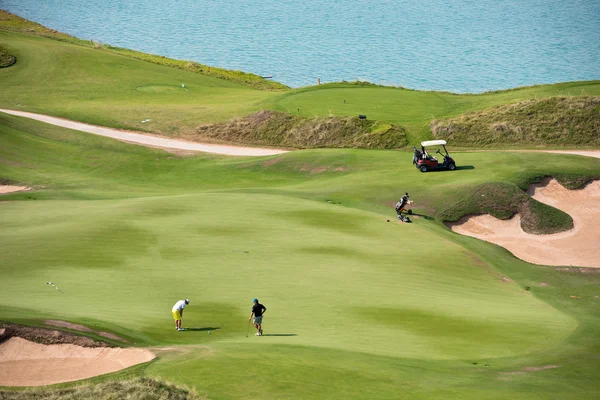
[15,23]
[6,59]
[272,128]
[542,122]
[135,389]
[408,310]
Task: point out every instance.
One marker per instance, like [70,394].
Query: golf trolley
[402,208]
[425,162]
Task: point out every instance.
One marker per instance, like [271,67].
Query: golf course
[360,305]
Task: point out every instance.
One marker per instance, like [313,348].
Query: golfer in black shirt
[257,311]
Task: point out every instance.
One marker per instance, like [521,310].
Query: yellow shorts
[176,315]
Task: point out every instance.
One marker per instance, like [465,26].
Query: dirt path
[576,247]
[148,140]
[25,363]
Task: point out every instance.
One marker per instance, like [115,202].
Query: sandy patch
[83,328]
[11,189]
[25,363]
[149,140]
[576,247]
[585,153]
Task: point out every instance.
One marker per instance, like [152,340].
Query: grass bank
[14,23]
[134,389]
[503,200]
[557,121]
[272,128]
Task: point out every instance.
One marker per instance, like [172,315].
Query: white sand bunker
[25,363]
[577,247]
[11,188]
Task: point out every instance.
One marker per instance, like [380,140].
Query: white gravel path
[148,140]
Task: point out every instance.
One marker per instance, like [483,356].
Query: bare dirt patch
[38,356]
[83,328]
[47,336]
[575,247]
[524,371]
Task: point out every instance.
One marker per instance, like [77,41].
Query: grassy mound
[135,389]
[6,58]
[558,121]
[503,200]
[14,23]
[274,128]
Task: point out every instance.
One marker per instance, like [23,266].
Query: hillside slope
[280,129]
[570,121]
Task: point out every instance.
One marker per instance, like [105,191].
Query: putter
[248,330]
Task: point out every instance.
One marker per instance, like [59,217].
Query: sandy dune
[576,247]
[25,363]
[148,140]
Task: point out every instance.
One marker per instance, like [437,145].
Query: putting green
[328,274]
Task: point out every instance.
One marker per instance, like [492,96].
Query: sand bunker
[576,247]
[10,189]
[25,363]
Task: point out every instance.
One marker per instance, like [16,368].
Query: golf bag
[417,155]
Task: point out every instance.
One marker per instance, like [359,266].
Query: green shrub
[6,59]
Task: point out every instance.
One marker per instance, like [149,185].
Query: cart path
[145,139]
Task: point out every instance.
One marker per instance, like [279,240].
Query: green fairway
[357,307]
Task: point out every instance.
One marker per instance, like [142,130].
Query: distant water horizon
[461,46]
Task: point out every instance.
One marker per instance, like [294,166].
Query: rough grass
[6,58]
[274,128]
[570,121]
[136,389]
[11,22]
[502,201]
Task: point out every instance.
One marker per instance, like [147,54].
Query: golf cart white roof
[433,143]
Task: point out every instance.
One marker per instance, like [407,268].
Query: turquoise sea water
[456,45]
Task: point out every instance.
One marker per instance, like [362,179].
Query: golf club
[248,330]
[56,287]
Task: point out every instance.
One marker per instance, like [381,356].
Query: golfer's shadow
[202,329]
[279,334]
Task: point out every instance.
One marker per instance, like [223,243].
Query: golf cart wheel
[452,167]
[423,168]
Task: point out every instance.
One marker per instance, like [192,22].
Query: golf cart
[426,162]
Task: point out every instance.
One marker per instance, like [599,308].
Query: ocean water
[454,45]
